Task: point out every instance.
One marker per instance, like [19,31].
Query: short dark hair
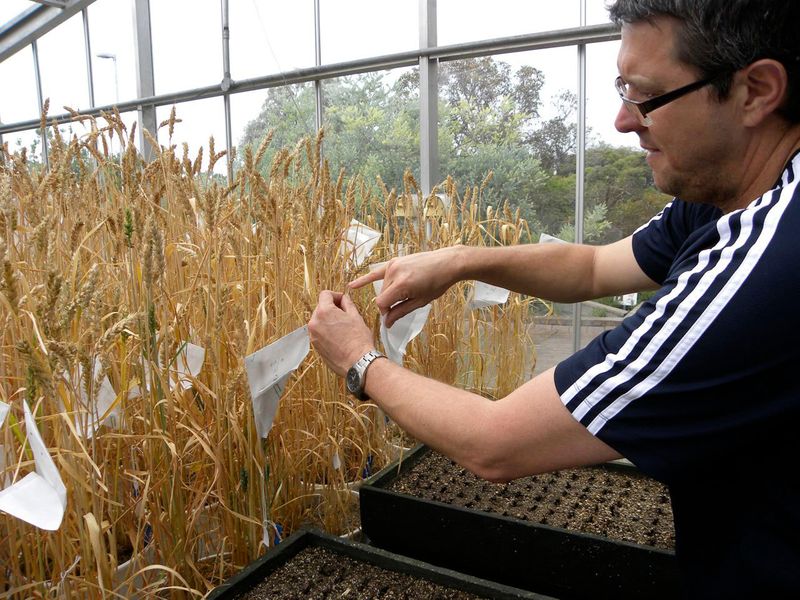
[719,37]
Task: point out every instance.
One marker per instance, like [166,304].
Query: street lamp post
[116,77]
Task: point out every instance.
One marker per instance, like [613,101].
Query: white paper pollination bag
[484,295]
[268,371]
[186,366]
[39,498]
[359,243]
[396,338]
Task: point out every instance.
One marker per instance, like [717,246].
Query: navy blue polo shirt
[700,388]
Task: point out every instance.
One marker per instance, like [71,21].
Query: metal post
[145,82]
[226,85]
[318,63]
[428,99]
[2,155]
[580,161]
[40,97]
[88,51]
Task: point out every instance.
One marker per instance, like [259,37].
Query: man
[698,387]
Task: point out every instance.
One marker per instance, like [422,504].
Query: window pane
[372,125]
[619,191]
[360,28]
[289,111]
[62,61]
[9,9]
[187,44]
[199,120]
[515,115]
[22,105]
[270,37]
[596,13]
[602,100]
[30,140]
[469,20]
[115,76]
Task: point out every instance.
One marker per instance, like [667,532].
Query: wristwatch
[357,374]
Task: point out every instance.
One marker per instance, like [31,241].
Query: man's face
[691,141]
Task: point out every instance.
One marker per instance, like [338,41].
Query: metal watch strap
[361,366]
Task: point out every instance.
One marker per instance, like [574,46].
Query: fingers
[400,310]
[329,299]
[368,278]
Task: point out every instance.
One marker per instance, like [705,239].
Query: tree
[490,120]
[554,141]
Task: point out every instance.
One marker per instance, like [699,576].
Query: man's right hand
[411,282]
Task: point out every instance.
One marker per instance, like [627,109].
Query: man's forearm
[524,433]
[558,272]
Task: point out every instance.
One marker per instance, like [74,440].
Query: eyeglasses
[641,109]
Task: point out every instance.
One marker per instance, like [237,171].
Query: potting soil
[624,506]
[317,573]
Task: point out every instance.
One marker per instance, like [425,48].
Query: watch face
[353,381]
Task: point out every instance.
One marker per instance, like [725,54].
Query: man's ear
[765,86]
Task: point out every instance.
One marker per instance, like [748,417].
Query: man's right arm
[557,272]
[561,272]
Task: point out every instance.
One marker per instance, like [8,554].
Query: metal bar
[87,44]
[226,85]
[39,95]
[33,23]
[428,99]
[2,154]
[56,3]
[580,163]
[145,81]
[318,101]
[565,37]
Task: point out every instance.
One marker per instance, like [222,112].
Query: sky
[267,37]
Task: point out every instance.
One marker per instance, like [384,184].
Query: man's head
[719,37]
[715,79]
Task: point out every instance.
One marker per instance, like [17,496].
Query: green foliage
[489,121]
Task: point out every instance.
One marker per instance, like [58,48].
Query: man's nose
[626,122]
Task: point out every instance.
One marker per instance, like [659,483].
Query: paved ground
[554,342]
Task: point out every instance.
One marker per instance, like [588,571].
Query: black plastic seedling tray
[558,562]
[259,570]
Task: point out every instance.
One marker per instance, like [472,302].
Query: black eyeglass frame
[642,108]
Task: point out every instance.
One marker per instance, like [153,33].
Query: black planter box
[259,570]
[558,562]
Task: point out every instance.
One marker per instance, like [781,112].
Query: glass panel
[9,9]
[187,44]
[62,61]
[372,125]
[288,110]
[199,120]
[619,194]
[596,13]
[602,100]
[114,75]
[362,28]
[22,105]
[470,20]
[270,37]
[515,115]
[30,140]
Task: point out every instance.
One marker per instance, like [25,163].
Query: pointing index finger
[370,277]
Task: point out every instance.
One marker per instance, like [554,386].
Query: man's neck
[765,164]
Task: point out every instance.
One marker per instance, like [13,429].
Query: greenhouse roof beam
[551,39]
[33,23]
[56,3]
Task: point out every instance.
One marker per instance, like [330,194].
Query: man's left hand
[338,332]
